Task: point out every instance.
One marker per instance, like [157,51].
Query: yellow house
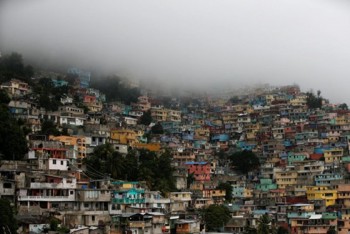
[325,193]
[251,131]
[285,178]
[155,147]
[202,132]
[343,196]
[243,108]
[229,117]
[298,101]
[160,115]
[333,155]
[78,141]
[124,136]
[341,120]
[269,98]
[94,106]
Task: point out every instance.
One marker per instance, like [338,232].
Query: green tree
[216,217]
[313,101]
[11,66]
[116,89]
[49,96]
[249,230]
[157,129]
[54,224]
[146,118]
[165,182]
[190,179]
[343,106]
[282,230]
[12,137]
[48,128]
[228,189]
[264,224]
[100,163]
[8,224]
[332,230]
[245,161]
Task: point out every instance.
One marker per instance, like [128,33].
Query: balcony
[46,198]
[128,200]
[115,212]
[53,185]
[137,224]
[302,215]
[7,192]
[93,195]
[160,200]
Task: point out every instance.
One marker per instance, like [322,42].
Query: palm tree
[264,224]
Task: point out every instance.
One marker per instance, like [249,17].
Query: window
[61,162]
[54,161]
[7,185]
[93,218]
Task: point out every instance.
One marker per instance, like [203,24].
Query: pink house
[89,99]
[200,170]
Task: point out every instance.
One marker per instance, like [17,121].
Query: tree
[12,137]
[8,224]
[228,189]
[11,66]
[313,101]
[190,179]
[343,106]
[157,129]
[282,230]
[264,224]
[48,127]
[249,230]
[116,90]
[332,230]
[146,118]
[216,216]
[244,161]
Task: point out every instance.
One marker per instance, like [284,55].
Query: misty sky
[196,42]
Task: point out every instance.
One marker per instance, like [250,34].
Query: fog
[189,43]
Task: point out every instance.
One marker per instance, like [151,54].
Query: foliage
[235,100]
[313,101]
[12,137]
[49,96]
[4,97]
[264,224]
[190,179]
[11,66]
[48,127]
[8,222]
[116,90]
[282,230]
[140,165]
[228,189]
[157,129]
[146,118]
[331,230]
[343,106]
[249,230]
[54,224]
[216,216]
[244,161]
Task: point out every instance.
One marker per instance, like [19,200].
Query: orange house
[155,147]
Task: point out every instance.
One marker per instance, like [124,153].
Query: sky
[189,43]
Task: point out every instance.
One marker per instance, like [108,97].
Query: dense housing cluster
[160,164]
